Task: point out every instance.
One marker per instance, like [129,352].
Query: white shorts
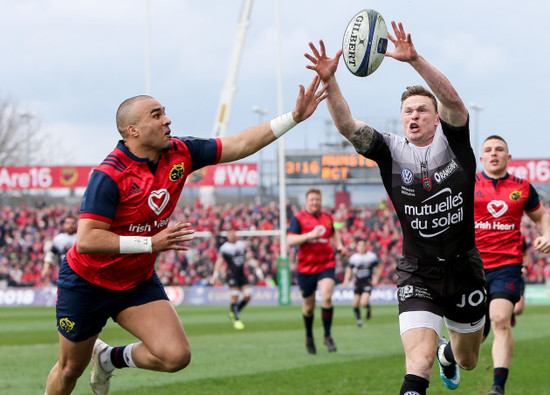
[425,319]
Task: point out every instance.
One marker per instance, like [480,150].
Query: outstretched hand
[404,49]
[308,100]
[324,66]
[174,237]
[542,244]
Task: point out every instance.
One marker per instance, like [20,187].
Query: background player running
[312,230]
[233,254]
[363,265]
[56,250]
[500,202]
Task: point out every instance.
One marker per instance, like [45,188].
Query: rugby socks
[446,358]
[242,303]
[500,375]
[326,315]
[308,322]
[121,357]
[105,361]
[128,355]
[357,313]
[235,309]
[414,385]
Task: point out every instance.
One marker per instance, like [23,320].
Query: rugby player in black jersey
[429,176]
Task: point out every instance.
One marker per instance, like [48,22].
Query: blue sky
[71,63]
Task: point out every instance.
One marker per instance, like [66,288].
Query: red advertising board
[225,175]
[43,177]
[536,171]
[46,177]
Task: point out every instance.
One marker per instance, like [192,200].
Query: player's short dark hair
[496,137]
[313,190]
[418,90]
[124,114]
[69,216]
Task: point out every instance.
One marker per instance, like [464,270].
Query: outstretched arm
[255,138]
[325,68]
[451,108]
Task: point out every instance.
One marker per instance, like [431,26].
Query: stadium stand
[25,229]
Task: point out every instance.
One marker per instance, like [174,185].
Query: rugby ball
[365,42]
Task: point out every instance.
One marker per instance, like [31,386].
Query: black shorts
[505,282]
[453,289]
[236,279]
[308,281]
[83,308]
[362,285]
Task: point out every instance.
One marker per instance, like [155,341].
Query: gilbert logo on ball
[365,42]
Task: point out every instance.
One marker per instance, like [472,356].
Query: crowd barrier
[200,295]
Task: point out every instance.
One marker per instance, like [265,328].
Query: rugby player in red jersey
[500,201]
[312,230]
[124,223]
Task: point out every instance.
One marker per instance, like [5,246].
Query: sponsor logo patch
[158,200]
[516,195]
[497,208]
[177,171]
[407,176]
[442,175]
[66,325]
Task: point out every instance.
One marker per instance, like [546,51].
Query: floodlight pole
[230,88]
[148,47]
[477,109]
[262,112]
[281,145]
[27,117]
[227,95]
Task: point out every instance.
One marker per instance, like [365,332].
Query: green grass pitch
[269,356]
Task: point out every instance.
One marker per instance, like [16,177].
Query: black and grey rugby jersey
[234,255]
[363,264]
[432,188]
[58,247]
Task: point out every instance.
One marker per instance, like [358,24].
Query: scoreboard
[326,167]
[303,167]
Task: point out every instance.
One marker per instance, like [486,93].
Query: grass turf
[269,355]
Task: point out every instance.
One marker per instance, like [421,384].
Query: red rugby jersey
[498,208]
[136,197]
[317,255]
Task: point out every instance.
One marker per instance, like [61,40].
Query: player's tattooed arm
[363,139]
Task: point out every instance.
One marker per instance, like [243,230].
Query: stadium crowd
[24,230]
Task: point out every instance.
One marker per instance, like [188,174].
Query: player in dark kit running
[429,176]
[56,250]
[500,202]
[362,265]
[233,253]
[124,223]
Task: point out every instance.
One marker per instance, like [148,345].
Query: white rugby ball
[365,42]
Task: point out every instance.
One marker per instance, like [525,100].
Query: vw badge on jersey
[407,176]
